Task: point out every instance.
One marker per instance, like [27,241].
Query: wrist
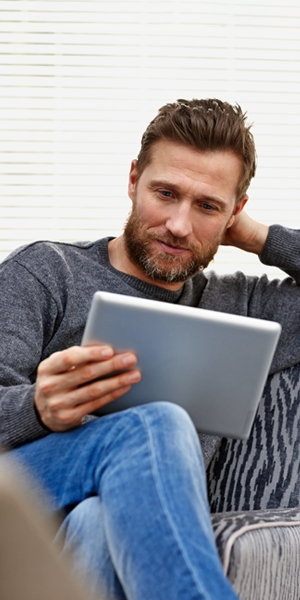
[38,416]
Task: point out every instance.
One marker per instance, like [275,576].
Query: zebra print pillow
[262,472]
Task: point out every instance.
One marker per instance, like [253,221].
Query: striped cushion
[264,471]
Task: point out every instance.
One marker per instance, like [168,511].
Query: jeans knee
[170,417]
[172,435]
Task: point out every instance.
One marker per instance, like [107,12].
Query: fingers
[59,374]
[68,419]
[72,396]
[67,411]
[99,393]
[68,385]
[59,362]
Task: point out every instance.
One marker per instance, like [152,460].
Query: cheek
[151,216]
[210,229]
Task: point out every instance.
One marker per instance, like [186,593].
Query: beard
[159,265]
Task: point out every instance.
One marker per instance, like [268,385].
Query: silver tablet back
[212,364]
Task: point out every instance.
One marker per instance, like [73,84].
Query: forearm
[282,250]
[18,422]
[276,245]
[24,333]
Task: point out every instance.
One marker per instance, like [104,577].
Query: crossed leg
[149,523]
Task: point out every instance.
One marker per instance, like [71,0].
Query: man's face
[182,204]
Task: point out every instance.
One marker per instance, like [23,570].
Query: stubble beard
[158,265]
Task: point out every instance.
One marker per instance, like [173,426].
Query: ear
[238,209]
[132,179]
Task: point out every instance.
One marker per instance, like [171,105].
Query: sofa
[254,496]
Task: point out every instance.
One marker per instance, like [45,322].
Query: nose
[179,221]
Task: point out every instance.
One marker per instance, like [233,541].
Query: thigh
[155,442]
[63,464]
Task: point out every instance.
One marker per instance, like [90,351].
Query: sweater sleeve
[24,334]
[282,250]
[279,300]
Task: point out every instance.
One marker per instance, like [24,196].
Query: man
[133,483]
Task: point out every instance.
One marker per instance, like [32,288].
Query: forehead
[218,167]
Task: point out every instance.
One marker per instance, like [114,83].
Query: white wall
[80,81]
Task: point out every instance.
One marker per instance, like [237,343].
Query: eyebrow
[172,186]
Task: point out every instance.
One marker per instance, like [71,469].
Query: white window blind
[80,80]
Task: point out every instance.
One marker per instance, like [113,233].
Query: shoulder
[47,247]
[47,254]
[226,293]
[56,266]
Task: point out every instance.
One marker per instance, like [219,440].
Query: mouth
[170,249]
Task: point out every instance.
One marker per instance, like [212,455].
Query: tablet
[212,364]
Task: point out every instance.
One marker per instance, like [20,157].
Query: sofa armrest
[260,552]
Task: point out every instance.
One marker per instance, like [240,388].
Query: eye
[166,193]
[208,207]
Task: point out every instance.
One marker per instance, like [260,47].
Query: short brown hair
[207,125]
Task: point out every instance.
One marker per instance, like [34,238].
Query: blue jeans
[141,528]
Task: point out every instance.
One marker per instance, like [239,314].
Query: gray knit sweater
[46,292]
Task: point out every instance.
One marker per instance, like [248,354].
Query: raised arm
[246,234]
[276,246]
